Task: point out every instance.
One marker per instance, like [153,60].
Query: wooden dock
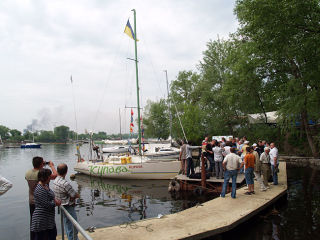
[211,218]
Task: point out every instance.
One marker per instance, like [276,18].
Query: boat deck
[240,179]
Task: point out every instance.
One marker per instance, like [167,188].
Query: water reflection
[295,217]
[134,199]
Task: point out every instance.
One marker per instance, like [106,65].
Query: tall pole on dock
[137,79]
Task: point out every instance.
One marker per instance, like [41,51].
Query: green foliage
[99,136]
[15,135]
[46,136]
[27,135]
[4,132]
[265,66]
[290,53]
[61,133]
[156,119]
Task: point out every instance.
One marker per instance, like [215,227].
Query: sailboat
[130,166]
[31,145]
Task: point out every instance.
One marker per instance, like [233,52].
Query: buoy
[174,186]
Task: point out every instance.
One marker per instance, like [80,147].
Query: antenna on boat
[170,115]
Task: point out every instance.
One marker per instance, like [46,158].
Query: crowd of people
[43,199]
[226,158]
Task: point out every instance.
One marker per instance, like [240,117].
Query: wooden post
[203,173]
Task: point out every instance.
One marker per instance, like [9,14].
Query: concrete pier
[211,218]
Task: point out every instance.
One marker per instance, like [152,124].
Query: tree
[4,132]
[61,133]
[185,97]
[27,135]
[46,136]
[99,136]
[15,135]
[285,34]
[221,111]
[156,119]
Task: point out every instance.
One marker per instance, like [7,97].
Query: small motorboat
[31,145]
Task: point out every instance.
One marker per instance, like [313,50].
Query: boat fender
[174,186]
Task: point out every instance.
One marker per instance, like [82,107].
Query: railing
[75,224]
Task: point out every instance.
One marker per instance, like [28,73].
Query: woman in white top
[218,158]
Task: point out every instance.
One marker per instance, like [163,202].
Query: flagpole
[137,80]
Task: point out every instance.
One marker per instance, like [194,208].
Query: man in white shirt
[190,165]
[274,163]
[231,164]
[64,192]
[265,166]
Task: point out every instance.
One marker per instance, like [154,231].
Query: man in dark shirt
[210,156]
[260,148]
[32,178]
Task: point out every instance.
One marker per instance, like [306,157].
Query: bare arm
[54,171]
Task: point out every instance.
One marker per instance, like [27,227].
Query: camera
[46,163]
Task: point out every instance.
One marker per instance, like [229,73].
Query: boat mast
[120,124]
[137,79]
[169,107]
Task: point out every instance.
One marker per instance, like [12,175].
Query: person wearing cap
[257,168]
[244,148]
[265,166]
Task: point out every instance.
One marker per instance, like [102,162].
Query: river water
[109,202]
[102,202]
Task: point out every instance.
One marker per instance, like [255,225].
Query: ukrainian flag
[128,30]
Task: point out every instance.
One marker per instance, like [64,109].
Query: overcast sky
[43,43]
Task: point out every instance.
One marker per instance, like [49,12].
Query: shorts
[249,175]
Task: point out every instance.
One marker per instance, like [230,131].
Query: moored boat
[30,145]
[131,167]
[116,149]
[137,166]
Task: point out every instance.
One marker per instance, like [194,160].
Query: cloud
[42,43]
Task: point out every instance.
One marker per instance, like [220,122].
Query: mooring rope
[134,225]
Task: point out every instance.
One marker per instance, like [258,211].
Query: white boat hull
[144,170]
[163,155]
[121,149]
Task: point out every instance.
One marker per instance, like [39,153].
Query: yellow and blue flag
[128,30]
